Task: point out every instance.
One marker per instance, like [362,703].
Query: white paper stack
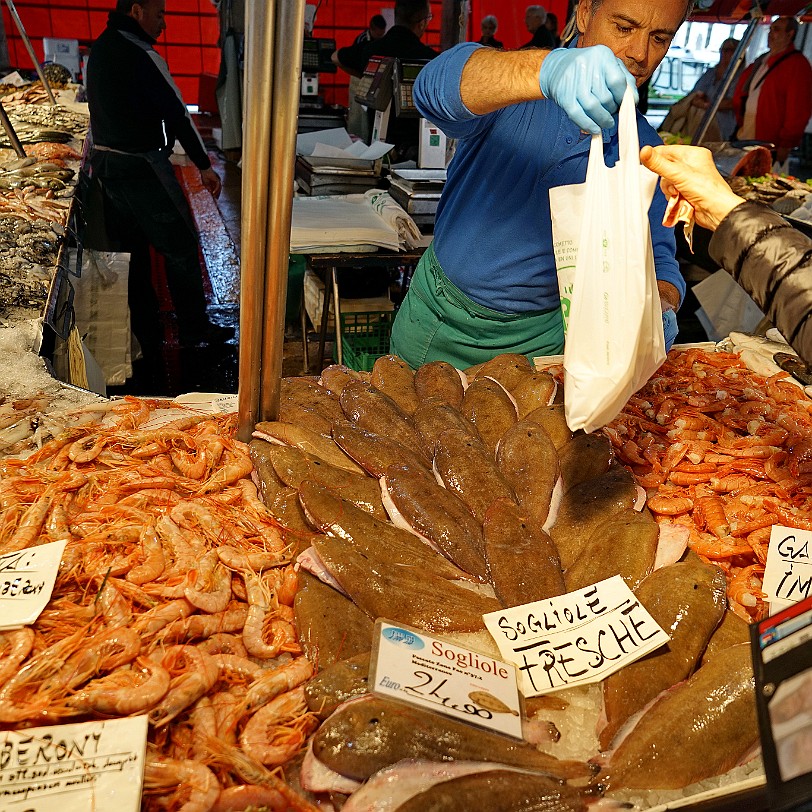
[339,223]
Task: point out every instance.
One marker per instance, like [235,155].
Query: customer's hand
[211,180]
[588,83]
[690,172]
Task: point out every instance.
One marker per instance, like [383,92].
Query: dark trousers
[143,205]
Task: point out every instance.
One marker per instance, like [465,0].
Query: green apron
[438,322]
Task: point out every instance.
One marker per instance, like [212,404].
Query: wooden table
[326,266]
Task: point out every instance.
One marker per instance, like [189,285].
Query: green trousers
[438,322]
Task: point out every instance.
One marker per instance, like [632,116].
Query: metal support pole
[732,69]
[30,48]
[286,91]
[256,162]
[10,132]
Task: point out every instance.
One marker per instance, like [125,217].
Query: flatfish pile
[488,500]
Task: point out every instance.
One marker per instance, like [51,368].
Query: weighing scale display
[405,75]
[375,88]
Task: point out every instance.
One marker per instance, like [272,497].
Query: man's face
[488,28]
[781,36]
[532,21]
[637,31]
[150,16]
[376,33]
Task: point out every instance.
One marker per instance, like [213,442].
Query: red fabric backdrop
[189,44]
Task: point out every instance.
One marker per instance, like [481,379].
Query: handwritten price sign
[577,638]
[788,572]
[437,675]
[26,581]
[74,768]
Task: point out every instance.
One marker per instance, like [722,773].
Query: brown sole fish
[366,735]
[373,538]
[687,600]
[394,377]
[585,457]
[294,467]
[529,461]
[624,545]
[375,453]
[336,684]
[522,559]
[436,514]
[441,381]
[552,419]
[372,410]
[434,417]
[330,626]
[688,735]
[470,471]
[306,440]
[490,408]
[588,505]
[533,391]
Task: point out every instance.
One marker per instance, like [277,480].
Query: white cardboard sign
[788,572]
[74,768]
[435,674]
[577,638]
[27,580]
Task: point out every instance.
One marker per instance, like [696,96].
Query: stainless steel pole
[28,47]
[256,162]
[11,133]
[732,70]
[286,93]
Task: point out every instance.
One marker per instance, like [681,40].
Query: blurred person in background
[535,18]
[357,119]
[551,24]
[710,83]
[769,258]
[488,27]
[136,113]
[773,98]
[404,41]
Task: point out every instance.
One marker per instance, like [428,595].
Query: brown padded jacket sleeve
[772,261]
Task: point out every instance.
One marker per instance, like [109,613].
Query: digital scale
[316,59]
[386,86]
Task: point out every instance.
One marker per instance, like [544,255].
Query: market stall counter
[231,591]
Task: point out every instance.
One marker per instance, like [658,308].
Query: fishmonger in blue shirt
[523,121]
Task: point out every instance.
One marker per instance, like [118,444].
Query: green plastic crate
[365,338]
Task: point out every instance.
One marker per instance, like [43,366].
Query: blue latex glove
[588,83]
[670,328]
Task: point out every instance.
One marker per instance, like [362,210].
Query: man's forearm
[494,79]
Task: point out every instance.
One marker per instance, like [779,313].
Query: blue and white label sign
[435,674]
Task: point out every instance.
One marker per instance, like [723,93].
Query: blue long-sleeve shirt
[493,232]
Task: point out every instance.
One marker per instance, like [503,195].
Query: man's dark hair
[124,6]
[377,21]
[411,12]
[689,7]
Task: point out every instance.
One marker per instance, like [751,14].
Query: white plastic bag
[614,337]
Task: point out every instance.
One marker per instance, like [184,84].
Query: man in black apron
[136,113]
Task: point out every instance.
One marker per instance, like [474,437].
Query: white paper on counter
[575,639]
[74,768]
[726,306]
[336,143]
[27,580]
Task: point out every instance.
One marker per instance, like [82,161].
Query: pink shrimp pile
[174,599]
[726,453]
